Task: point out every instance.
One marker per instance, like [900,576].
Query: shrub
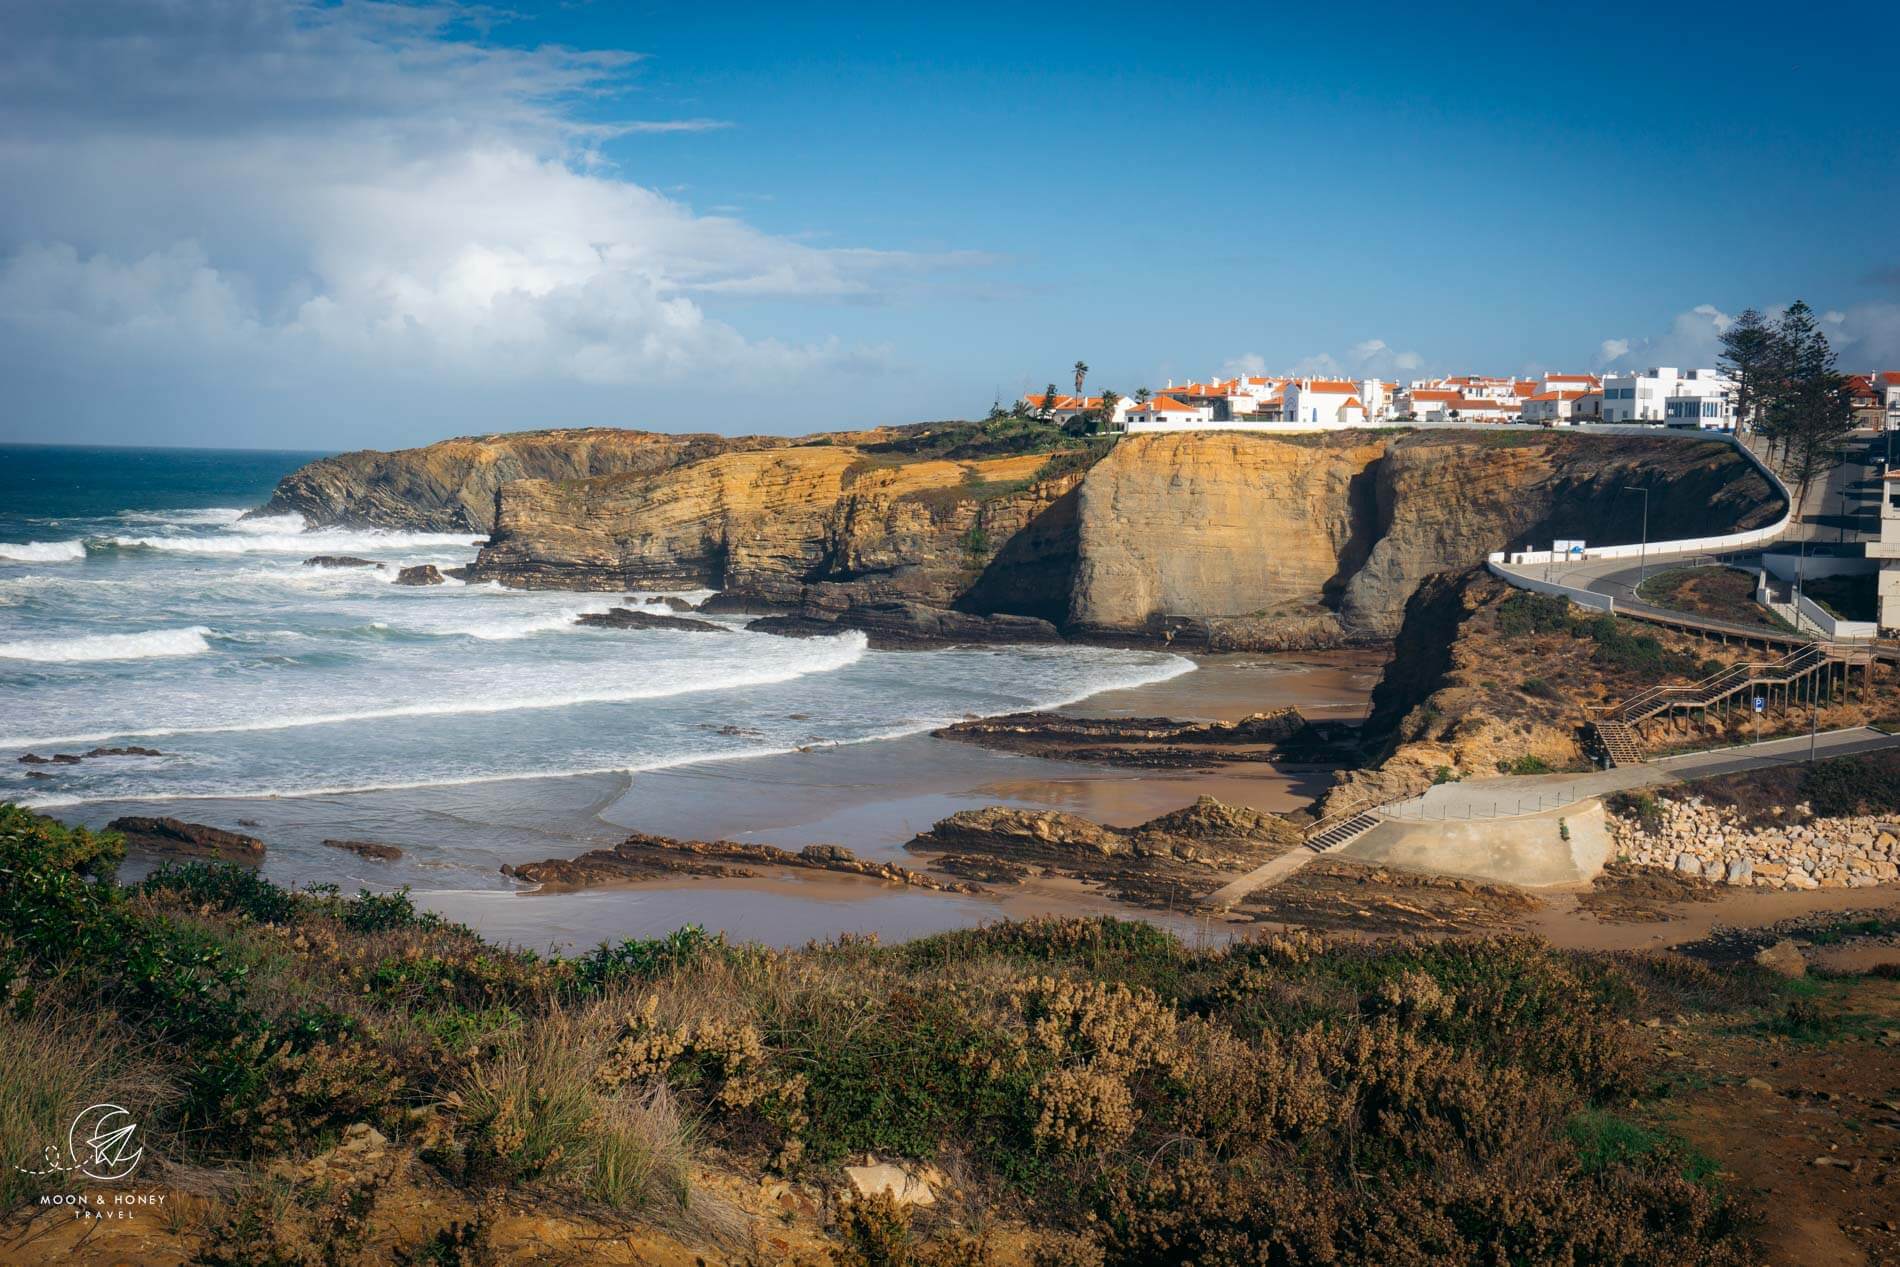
[1529,763]
[1538,688]
[1524,614]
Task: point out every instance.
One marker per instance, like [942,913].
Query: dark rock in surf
[902,625]
[189,840]
[421,574]
[626,618]
[339,561]
[669,601]
[366,849]
[125,752]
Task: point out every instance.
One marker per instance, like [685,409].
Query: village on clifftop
[1660,396]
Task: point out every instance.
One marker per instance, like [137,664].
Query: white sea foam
[209,515]
[1146,675]
[271,537]
[156,644]
[42,552]
[815,655]
[506,628]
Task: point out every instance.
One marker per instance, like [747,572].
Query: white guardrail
[1502,565]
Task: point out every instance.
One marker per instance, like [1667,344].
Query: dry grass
[54,1062]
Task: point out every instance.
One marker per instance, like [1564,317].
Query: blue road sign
[1760,703]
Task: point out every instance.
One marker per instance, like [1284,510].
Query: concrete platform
[1529,851]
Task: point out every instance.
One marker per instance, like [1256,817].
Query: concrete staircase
[1342,833]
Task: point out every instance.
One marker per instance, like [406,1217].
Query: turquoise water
[139,607]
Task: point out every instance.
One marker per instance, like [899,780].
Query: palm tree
[1081,372]
[1143,395]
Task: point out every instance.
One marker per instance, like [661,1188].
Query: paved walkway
[1533,796]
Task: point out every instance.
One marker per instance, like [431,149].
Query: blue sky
[254,222]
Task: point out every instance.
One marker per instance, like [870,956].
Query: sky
[279,224]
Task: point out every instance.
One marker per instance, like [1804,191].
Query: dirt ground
[1805,1128]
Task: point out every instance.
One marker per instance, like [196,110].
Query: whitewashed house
[1563,407]
[1164,413]
[1323,402]
[1693,398]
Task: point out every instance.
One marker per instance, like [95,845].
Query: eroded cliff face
[1224,539]
[451,486]
[1264,542]
[818,525]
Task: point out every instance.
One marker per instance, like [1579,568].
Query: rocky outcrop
[1142,742]
[641,857]
[1168,861]
[74,758]
[909,626]
[627,618]
[451,486]
[421,574]
[189,840]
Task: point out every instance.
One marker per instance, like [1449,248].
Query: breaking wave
[157,644]
[43,552]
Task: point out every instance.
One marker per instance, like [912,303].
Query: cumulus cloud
[1368,358]
[1865,336]
[271,188]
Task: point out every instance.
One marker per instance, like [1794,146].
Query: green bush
[1524,614]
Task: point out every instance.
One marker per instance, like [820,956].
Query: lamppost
[1642,557]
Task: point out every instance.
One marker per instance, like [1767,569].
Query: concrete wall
[1581,597]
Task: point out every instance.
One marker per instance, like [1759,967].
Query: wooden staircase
[1619,742]
[1615,726]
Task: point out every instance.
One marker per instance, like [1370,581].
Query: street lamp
[1642,557]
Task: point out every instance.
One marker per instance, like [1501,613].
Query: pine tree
[1811,409]
[1049,402]
[1749,353]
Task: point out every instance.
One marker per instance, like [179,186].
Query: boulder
[1688,864]
[190,840]
[421,574]
[905,1186]
[1784,958]
[1740,871]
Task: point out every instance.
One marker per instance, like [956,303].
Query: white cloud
[262,189]
[1866,336]
[1247,363]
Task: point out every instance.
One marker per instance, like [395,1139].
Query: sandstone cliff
[451,486]
[1269,541]
[814,524]
[1222,539]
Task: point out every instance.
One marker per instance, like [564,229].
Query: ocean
[139,608]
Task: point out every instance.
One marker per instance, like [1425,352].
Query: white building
[1324,403]
[1693,398]
[1380,399]
[1063,409]
[1887,383]
[1164,413]
[1563,408]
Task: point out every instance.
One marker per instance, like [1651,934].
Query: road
[1840,510]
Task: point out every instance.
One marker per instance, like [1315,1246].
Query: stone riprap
[1805,853]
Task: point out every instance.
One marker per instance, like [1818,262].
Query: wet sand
[872,798]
